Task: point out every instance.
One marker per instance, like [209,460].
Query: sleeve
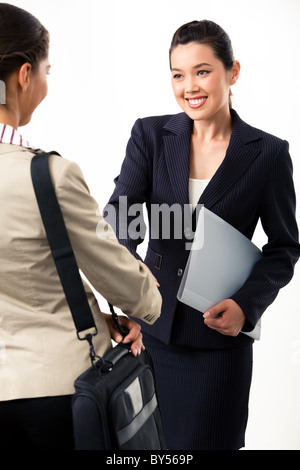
[124,210]
[276,268]
[120,278]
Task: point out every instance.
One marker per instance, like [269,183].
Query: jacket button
[180,272]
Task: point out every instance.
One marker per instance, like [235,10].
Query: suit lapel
[177,143]
[241,153]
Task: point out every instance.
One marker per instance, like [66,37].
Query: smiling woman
[202,75]
[208,155]
[196,84]
[209,33]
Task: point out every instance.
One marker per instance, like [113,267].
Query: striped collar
[8,135]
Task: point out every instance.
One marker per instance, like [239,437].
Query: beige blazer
[40,354]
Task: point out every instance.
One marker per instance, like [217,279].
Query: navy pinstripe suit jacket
[254,181]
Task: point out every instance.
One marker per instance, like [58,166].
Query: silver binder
[219,263]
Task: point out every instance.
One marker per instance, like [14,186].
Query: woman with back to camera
[40,354]
[207,155]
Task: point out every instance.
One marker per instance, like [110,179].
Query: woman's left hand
[226,317]
[134,335]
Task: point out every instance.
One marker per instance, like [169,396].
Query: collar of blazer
[241,153]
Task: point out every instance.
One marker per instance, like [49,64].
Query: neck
[8,118]
[219,127]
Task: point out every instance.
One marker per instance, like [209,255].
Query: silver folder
[220,261]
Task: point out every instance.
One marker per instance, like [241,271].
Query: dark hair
[22,39]
[206,32]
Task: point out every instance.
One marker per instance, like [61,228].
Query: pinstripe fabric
[204,377]
[203,395]
[254,181]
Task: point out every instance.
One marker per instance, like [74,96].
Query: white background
[110,66]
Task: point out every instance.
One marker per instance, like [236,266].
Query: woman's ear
[235,72]
[24,76]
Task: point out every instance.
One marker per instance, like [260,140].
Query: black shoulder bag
[115,405]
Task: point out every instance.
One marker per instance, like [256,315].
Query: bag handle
[62,251]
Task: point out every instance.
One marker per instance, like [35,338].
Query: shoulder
[164,124]
[65,174]
[155,121]
[273,151]
[57,163]
[150,126]
[273,148]
[270,140]
[249,133]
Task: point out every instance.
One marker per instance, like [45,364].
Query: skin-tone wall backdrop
[110,66]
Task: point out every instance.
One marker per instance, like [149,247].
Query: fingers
[115,335]
[226,317]
[213,315]
[215,322]
[134,335]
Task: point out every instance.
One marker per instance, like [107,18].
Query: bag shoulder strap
[60,245]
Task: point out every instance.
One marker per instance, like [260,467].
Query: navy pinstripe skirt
[203,394]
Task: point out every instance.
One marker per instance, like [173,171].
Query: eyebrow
[203,64]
